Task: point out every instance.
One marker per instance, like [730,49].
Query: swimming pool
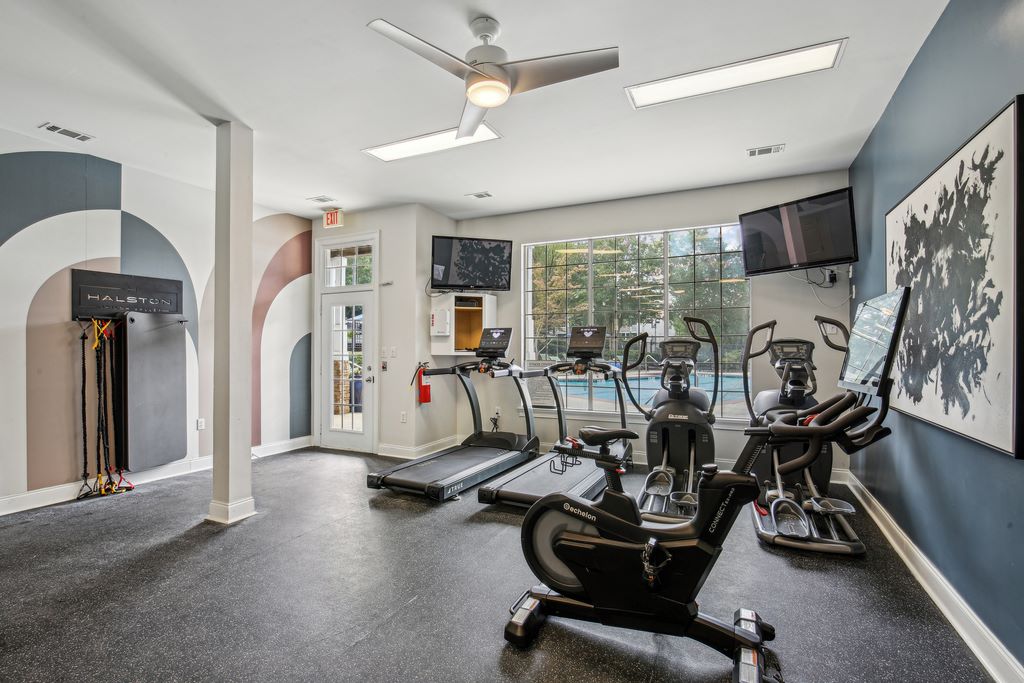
[576,387]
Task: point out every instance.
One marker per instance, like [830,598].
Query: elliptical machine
[680,438]
[605,562]
[793,509]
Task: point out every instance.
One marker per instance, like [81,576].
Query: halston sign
[97,295]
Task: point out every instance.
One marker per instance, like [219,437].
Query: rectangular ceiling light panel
[717,79]
[432,142]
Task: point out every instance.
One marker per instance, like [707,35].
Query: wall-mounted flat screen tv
[808,233]
[459,263]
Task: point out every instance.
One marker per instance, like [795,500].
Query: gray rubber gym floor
[333,581]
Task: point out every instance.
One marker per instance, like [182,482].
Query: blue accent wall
[960,502]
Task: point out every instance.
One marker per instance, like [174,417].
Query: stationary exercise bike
[603,562]
[680,438]
[793,509]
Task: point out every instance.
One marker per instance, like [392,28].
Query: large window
[638,283]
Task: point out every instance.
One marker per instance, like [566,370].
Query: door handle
[370,380]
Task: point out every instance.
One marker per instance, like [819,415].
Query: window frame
[665,308]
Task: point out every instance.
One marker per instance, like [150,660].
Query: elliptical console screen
[789,349]
[586,342]
[680,348]
[494,342]
[873,340]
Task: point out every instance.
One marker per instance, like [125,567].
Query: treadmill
[556,472]
[444,475]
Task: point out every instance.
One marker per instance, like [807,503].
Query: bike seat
[599,436]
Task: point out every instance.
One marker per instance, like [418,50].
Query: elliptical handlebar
[748,356]
[822,322]
[627,366]
[710,339]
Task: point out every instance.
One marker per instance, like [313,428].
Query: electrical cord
[823,284]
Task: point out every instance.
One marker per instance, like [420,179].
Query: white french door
[348,371]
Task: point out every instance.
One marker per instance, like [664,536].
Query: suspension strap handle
[86,490]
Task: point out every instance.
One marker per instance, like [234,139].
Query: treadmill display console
[586,342]
[680,348]
[494,342]
[873,340]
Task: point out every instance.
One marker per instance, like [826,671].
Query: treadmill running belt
[535,479]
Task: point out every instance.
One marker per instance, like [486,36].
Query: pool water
[576,387]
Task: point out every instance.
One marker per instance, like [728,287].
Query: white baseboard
[62,493]
[994,656]
[229,513]
[263,450]
[412,452]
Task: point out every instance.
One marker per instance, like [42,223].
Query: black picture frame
[1016,228]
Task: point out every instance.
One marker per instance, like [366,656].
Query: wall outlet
[403,417]
[200,424]
[497,410]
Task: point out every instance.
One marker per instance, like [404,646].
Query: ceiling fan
[489,77]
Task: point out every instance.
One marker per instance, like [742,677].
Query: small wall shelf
[456,321]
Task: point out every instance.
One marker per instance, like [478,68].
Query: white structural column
[232,344]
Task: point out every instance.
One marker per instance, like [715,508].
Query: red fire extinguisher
[422,383]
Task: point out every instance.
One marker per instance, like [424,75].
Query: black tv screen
[808,233]
[469,263]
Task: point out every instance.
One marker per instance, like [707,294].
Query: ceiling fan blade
[529,74]
[472,117]
[446,61]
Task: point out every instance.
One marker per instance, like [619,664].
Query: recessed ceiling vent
[480,195]
[67,132]
[321,199]
[762,151]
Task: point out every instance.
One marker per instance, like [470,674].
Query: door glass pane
[347,368]
[348,266]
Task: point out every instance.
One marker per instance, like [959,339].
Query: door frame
[320,246]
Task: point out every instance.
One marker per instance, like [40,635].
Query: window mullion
[590,314]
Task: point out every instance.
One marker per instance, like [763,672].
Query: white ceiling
[317,86]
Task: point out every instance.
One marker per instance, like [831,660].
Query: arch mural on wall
[63,210]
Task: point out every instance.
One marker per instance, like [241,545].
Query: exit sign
[334,218]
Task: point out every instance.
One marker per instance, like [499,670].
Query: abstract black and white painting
[953,241]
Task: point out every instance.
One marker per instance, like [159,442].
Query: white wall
[404,257]
[791,302]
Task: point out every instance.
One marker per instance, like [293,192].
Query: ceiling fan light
[488,93]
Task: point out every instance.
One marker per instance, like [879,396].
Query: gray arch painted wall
[299,388]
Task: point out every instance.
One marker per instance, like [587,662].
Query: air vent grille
[66,132]
[763,151]
[480,195]
[321,199]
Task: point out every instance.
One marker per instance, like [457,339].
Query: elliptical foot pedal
[831,506]
[526,620]
[790,519]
